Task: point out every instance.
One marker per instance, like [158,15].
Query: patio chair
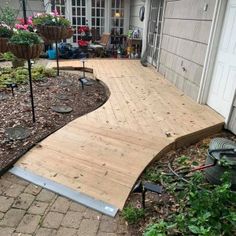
[99,47]
[95,34]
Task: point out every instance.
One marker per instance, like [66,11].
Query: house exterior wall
[186,32]
[31,6]
[232,119]
[135,22]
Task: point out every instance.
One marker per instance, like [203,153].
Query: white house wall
[31,5]
[186,31]
[232,120]
[135,22]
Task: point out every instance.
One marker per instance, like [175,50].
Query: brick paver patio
[29,210]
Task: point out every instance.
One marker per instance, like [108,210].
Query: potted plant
[25,44]
[5,33]
[52,26]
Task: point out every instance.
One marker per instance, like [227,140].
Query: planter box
[25,51]
[4,45]
[53,33]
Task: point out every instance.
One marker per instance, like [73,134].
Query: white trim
[107,16]
[227,121]
[88,13]
[145,27]
[213,43]
[126,16]
[161,34]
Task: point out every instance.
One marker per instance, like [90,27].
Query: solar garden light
[144,187]
[12,86]
[83,80]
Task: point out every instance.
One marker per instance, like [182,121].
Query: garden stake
[29,68]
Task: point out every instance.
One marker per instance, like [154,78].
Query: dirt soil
[63,90]
[160,206]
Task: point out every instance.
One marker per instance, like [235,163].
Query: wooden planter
[25,51]
[53,33]
[4,45]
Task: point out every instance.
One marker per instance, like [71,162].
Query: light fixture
[117,14]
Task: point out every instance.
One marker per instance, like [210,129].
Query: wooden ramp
[103,153]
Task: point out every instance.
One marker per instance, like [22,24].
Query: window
[60,7]
[78,16]
[117,16]
[98,15]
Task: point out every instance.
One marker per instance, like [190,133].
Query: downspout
[207,68]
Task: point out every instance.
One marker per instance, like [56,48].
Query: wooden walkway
[103,153]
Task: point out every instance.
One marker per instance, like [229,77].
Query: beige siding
[32,6]
[135,23]
[186,31]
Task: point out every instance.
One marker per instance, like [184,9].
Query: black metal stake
[29,68]
[31,91]
[84,69]
[57,55]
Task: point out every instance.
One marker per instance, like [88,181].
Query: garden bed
[49,93]
[182,209]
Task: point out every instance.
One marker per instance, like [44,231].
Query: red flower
[83,43]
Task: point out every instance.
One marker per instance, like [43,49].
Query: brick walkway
[26,209]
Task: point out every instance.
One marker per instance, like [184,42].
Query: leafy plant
[207,211]
[5,30]
[132,215]
[52,19]
[8,56]
[20,75]
[161,228]
[25,38]
[8,15]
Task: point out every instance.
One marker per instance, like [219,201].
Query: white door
[154,31]
[223,82]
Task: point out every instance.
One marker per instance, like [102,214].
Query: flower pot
[4,45]
[54,33]
[25,51]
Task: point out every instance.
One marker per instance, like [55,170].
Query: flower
[22,26]
[52,19]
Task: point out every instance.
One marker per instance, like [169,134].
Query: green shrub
[25,38]
[20,75]
[161,228]
[132,215]
[203,211]
[8,15]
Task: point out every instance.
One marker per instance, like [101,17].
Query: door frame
[146,28]
[212,49]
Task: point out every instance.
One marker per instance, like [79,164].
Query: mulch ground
[160,206]
[16,111]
